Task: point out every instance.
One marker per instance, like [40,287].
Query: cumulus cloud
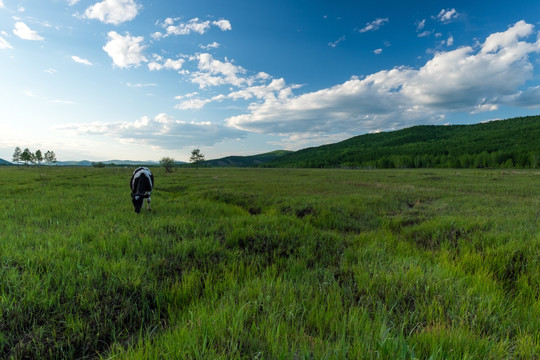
[125,51]
[1,4]
[4,44]
[81,60]
[24,32]
[113,11]
[374,25]
[160,131]
[159,63]
[276,88]
[71,2]
[194,25]
[466,79]
[223,24]
[213,45]
[214,72]
[446,16]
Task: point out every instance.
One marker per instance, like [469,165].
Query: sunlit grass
[270,263]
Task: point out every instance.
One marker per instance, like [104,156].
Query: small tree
[196,157]
[167,163]
[27,156]
[38,157]
[50,157]
[17,155]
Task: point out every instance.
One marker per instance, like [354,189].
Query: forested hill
[503,143]
[247,161]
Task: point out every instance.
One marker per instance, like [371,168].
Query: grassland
[270,264]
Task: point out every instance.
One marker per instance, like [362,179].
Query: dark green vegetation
[247,161]
[497,144]
[270,264]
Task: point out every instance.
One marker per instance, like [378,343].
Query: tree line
[28,157]
[496,144]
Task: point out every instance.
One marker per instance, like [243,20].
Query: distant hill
[110,162]
[4,162]
[502,143]
[246,161]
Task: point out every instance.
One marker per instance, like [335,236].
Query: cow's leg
[148,204]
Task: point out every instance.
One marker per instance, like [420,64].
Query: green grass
[270,264]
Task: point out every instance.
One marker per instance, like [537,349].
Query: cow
[141,183]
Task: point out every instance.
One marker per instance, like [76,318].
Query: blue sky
[141,79]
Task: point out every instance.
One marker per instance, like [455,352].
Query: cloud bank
[162,131]
[466,79]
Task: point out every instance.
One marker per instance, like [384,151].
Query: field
[270,264]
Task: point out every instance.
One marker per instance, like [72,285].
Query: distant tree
[27,156]
[98,164]
[38,157]
[167,163]
[50,157]
[17,155]
[196,157]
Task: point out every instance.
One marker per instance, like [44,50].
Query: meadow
[270,264]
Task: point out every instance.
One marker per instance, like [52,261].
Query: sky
[143,79]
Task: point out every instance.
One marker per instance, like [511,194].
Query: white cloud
[335,43]
[446,16]
[275,89]
[24,32]
[421,25]
[465,79]
[125,51]
[450,41]
[213,72]
[169,64]
[162,131]
[425,33]
[377,51]
[66,102]
[192,104]
[72,2]
[113,11]
[1,4]
[194,25]
[374,25]
[224,25]
[4,44]
[213,45]
[140,85]
[81,60]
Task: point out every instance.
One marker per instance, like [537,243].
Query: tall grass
[270,264]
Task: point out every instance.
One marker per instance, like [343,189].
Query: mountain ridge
[500,143]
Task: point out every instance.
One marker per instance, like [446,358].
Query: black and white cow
[142,183]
